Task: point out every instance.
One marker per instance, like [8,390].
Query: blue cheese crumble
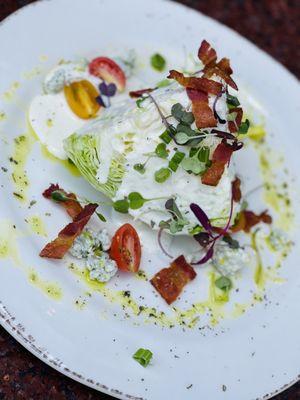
[229,261]
[102,268]
[92,247]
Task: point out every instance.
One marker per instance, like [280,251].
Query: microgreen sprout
[158,62]
[223,283]
[133,201]
[107,91]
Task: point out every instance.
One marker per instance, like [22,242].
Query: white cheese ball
[229,261]
[83,245]
[102,239]
[102,268]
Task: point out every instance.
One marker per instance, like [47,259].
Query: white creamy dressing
[142,127]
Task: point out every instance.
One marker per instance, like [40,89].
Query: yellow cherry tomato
[81,97]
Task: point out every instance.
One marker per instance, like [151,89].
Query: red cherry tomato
[109,71]
[126,248]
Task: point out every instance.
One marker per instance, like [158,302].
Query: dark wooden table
[274,25]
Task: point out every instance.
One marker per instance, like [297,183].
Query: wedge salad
[162,155]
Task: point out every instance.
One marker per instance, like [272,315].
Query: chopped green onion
[193,151]
[176,160]
[143,356]
[232,100]
[139,168]
[165,136]
[158,62]
[223,283]
[121,206]
[162,175]
[243,129]
[161,150]
[203,154]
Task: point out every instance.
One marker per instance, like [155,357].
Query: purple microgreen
[100,101]
[202,238]
[107,90]
[209,254]
[202,217]
[216,115]
[159,238]
[223,134]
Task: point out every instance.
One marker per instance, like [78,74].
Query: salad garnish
[143,356]
[158,62]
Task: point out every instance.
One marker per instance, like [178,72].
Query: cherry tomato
[109,71]
[81,97]
[126,248]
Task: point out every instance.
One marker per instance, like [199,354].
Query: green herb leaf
[176,160]
[143,356]
[58,195]
[158,62]
[243,129]
[232,116]
[165,137]
[223,283]
[101,217]
[161,150]
[232,100]
[121,206]
[139,168]
[136,200]
[172,206]
[187,118]
[162,175]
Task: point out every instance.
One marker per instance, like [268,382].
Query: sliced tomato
[81,98]
[109,71]
[126,248]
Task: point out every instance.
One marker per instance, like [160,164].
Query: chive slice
[162,175]
[143,356]
[176,160]
[203,154]
[165,137]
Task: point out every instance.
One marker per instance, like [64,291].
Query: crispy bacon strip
[192,82]
[207,54]
[247,219]
[236,190]
[59,246]
[139,93]
[220,158]
[170,281]
[234,125]
[73,208]
[204,115]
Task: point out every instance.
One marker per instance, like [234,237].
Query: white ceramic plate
[252,356]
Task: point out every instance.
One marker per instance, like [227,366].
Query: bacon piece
[208,56]
[170,281]
[206,53]
[247,219]
[236,190]
[220,158]
[192,82]
[203,114]
[72,207]
[234,125]
[59,246]
[139,93]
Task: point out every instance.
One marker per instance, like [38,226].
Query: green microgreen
[177,222]
[140,101]
[182,116]
[133,201]
[192,164]
[161,150]
[121,206]
[101,217]
[223,283]
[143,356]
[59,195]
[139,168]
[232,100]
[243,129]
[232,243]
[158,62]
[232,116]
[203,154]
